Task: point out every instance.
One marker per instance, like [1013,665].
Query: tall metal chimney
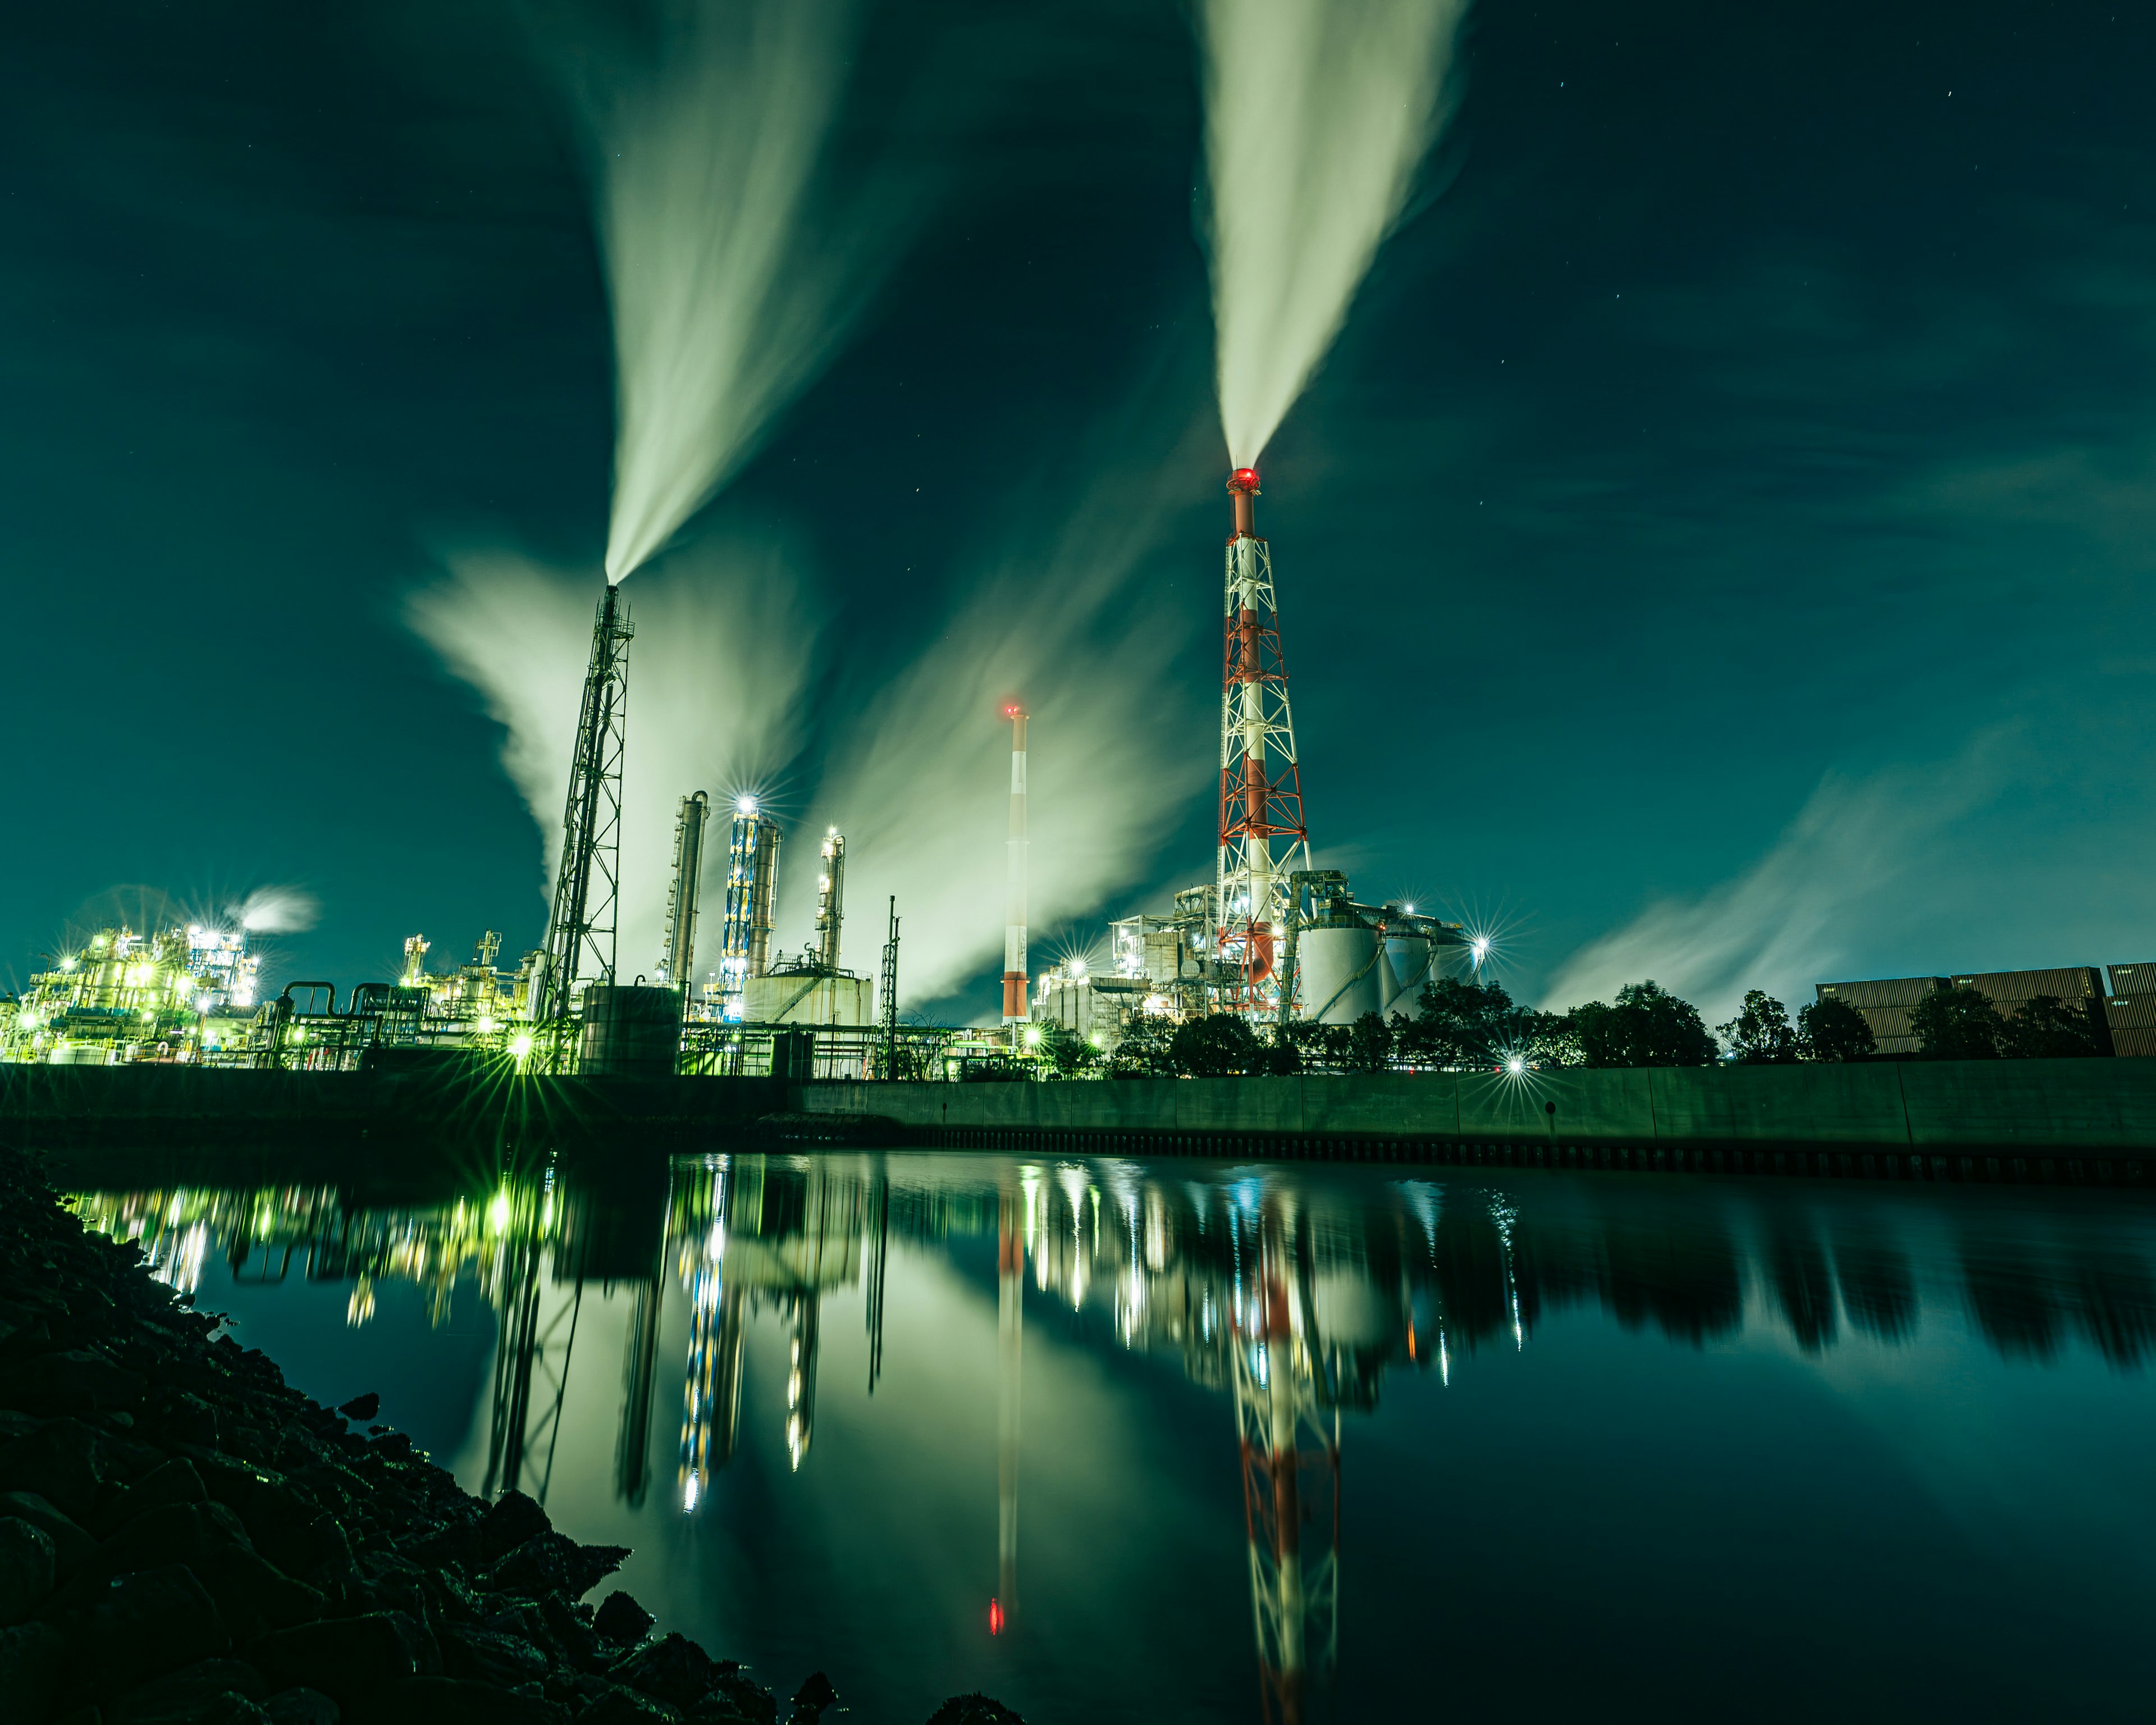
[677,963]
[830,901]
[1261,781]
[1014,970]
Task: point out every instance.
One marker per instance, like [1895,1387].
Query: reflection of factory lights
[497,1213]
[689,1495]
[995,1617]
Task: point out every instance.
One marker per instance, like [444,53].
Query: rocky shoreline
[186,1540]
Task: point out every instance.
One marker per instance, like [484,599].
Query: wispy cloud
[1803,910]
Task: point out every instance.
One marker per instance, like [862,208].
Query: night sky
[1716,549]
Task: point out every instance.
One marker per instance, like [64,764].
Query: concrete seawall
[2026,1119]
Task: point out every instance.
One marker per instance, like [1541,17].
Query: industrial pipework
[752,900]
[1014,970]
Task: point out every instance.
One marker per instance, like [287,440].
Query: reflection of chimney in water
[1010,1337]
[801,1374]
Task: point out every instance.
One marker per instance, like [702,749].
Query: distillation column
[677,961]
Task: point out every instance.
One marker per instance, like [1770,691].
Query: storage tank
[1408,967]
[630,1031]
[1339,973]
[800,997]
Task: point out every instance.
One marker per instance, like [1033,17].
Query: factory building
[1886,1003]
[124,997]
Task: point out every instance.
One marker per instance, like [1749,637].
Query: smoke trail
[1318,116]
[920,786]
[717,675]
[731,284]
[277,910]
[1793,918]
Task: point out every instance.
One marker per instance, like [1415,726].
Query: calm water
[1115,1439]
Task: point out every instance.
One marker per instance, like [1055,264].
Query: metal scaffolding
[1260,783]
[581,929]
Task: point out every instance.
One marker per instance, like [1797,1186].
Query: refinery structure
[1268,938]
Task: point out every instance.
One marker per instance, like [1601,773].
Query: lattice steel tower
[580,932]
[1262,835]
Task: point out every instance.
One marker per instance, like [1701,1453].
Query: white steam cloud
[277,910]
[730,281]
[717,675]
[1317,117]
[920,785]
[1798,915]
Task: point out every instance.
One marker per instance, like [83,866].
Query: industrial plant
[1269,939]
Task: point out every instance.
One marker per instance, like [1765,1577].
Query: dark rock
[363,1408]
[974,1709]
[622,1621]
[573,1636]
[811,1698]
[552,1563]
[627,1707]
[301,1707]
[73,1381]
[448,1701]
[59,1461]
[676,1670]
[149,1622]
[187,1419]
[30,1663]
[458,1543]
[27,1568]
[72,1545]
[251,1590]
[175,1483]
[489,1657]
[511,1521]
[349,1659]
[282,1524]
[194,1692]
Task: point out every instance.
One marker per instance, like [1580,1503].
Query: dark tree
[1958,1023]
[1761,1034]
[1218,1045]
[1143,1052]
[1370,1043]
[1461,1025]
[1646,1026]
[1070,1054]
[2046,1029]
[1832,1029]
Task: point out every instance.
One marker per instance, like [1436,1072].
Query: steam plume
[1318,116]
[730,285]
[1799,913]
[921,787]
[277,910]
[716,674]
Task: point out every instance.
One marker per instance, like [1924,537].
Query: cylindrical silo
[1338,974]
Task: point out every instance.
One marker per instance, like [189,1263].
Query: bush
[1958,1023]
[1218,1045]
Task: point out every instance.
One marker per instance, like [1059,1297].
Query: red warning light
[995,1618]
[1244,479]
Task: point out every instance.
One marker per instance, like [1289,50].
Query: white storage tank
[1339,973]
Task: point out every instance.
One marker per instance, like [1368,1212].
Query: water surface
[1118,1439]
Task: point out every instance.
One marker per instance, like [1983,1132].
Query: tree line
[1478,1025]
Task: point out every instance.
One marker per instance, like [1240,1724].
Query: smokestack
[830,901]
[678,958]
[1015,972]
